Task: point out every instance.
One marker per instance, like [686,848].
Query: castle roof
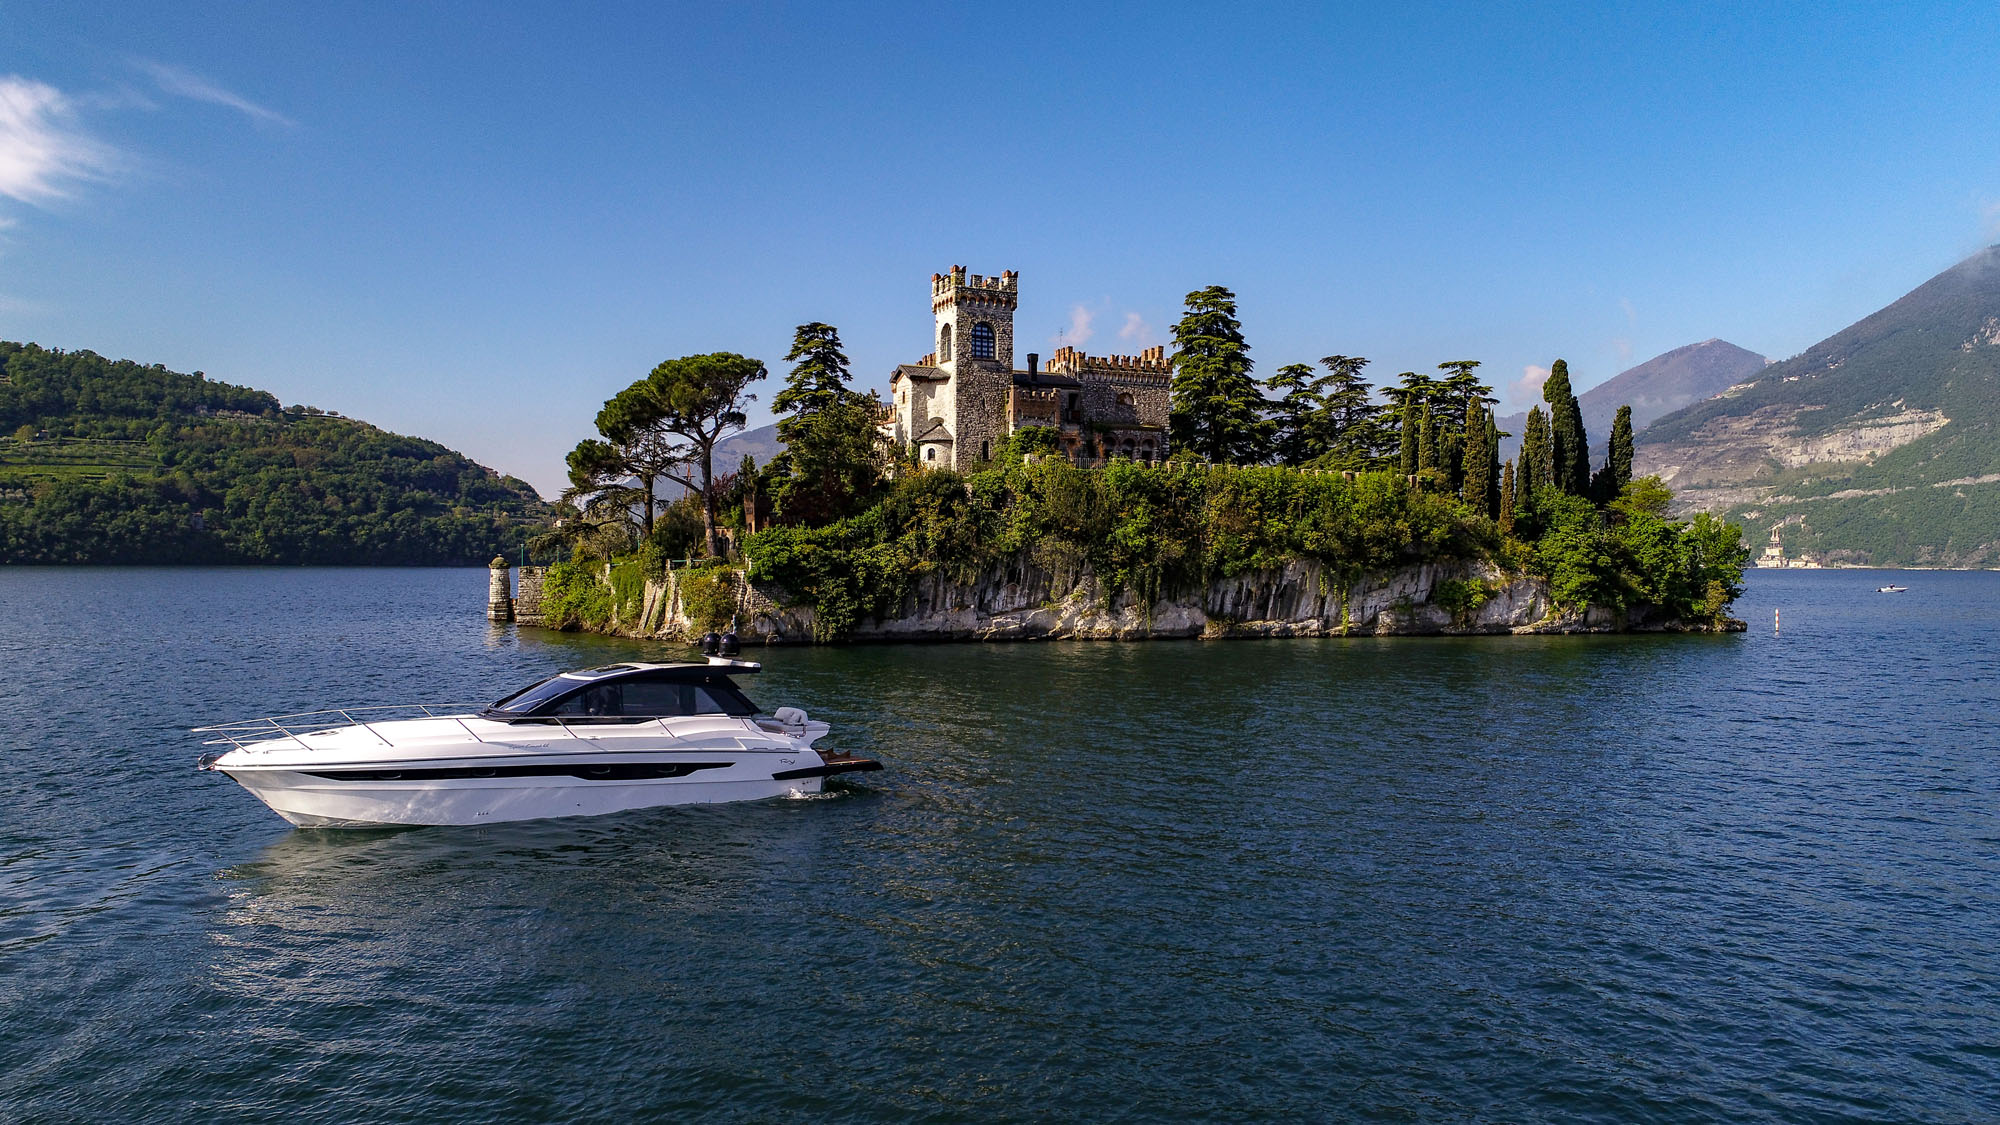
[935,432]
[917,371]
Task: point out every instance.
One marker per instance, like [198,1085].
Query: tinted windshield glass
[534,695]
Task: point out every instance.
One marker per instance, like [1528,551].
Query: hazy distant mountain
[1660,385]
[1880,440]
[761,443]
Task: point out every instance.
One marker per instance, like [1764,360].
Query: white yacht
[1892,588]
[625,736]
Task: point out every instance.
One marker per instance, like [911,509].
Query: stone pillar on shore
[499,591]
[528,599]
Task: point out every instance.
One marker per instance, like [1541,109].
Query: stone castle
[956,407]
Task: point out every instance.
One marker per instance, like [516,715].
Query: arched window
[930,454]
[944,344]
[982,341]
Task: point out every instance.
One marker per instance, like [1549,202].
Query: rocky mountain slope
[1659,386]
[1875,446]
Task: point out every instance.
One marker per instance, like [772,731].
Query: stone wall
[528,596]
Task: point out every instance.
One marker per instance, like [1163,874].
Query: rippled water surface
[1617,879]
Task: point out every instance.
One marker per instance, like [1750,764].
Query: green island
[1303,473]
[107,461]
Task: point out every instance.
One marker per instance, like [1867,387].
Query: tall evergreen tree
[1409,433]
[1296,415]
[829,464]
[1506,516]
[1617,471]
[1569,448]
[1474,455]
[1427,453]
[1217,412]
[1351,420]
[1537,466]
[1493,436]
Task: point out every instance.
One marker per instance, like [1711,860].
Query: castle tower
[974,318]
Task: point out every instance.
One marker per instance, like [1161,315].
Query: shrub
[575,596]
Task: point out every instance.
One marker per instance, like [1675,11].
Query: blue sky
[476,222]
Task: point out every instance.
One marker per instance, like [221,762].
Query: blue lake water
[1619,879]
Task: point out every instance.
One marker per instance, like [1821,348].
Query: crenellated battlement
[1149,365]
[957,287]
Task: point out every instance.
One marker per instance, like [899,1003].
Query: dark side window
[652,699]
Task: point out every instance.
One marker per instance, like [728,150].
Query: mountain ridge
[1653,389]
[1875,446]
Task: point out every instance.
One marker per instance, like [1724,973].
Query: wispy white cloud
[44,152]
[183,83]
[1137,331]
[1528,388]
[1079,331]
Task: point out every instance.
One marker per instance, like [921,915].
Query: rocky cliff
[1024,602]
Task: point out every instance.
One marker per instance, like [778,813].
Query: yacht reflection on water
[584,743]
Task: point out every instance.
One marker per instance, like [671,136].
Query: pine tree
[820,379]
[1217,410]
[1507,499]
[1569,448]
[829,464]
[1349,427]
[1296,416]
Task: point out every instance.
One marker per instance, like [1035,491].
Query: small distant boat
[1891,588]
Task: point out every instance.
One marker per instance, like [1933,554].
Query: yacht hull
[309,801]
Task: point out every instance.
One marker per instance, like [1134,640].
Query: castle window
[982,341]
[1126,400]
[985,451]
[944,344]
[931,453]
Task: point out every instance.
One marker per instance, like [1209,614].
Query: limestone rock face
[1021,601]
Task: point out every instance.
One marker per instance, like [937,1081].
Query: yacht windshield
[534,695]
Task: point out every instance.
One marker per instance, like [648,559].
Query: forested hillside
[113,462]
[1877,445]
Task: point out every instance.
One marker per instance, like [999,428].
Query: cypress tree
[1619,462]
[1569,449]
[1427,457]
[1473,459]
[1409,436]
[1507,499]
[1536,466]
[1217,411]
[1492,465]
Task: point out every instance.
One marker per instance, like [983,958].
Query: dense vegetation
[1167,530]
[115,462]
[1354,484]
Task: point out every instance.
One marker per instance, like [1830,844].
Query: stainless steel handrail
[246,731]
[274,727]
